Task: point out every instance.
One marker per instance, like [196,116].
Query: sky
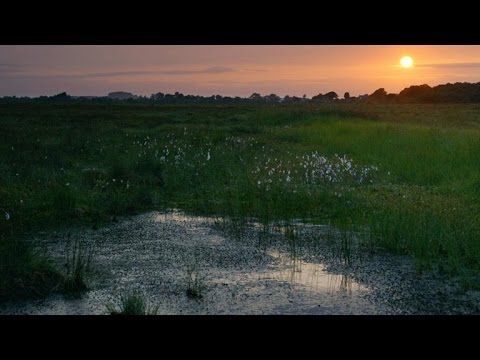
[230,70]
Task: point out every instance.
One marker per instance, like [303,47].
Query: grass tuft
[195,285]
[132,304]
[78,260]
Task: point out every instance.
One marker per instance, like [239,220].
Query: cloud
[111,74]
[11,68]
[451,65]
[256,70]
[210,70]
[14,70]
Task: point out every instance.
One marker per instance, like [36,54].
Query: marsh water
[246,269]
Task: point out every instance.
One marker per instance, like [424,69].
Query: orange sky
[230,70]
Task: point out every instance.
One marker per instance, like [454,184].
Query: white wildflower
[7,216]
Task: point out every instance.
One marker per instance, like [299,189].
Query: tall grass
[426,202]
[413,154]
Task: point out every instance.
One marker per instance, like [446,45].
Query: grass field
[406,174]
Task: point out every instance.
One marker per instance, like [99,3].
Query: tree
[255,96]
[417,93]
[346,96]
[158,96]
[272,98]
[379,95]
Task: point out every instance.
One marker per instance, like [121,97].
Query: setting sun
[406,62]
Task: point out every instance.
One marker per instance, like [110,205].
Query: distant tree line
[446,93]
[161,98]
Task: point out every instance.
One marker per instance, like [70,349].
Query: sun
[406,62]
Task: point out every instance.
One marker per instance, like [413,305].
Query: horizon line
[232,96]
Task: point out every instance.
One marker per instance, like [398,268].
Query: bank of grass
[84,165]
[426,202]
[25,272]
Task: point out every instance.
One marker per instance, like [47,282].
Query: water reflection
[312,275]
[288,268]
